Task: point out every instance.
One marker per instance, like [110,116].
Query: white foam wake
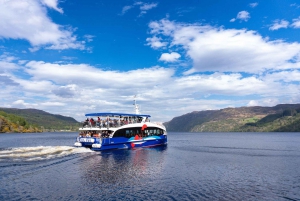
[40,152]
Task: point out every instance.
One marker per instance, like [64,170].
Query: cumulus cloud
[264,102]
[296,23]
[7,81]
[228,50]
[85,88]
[28,20]
[22,104]
[7,64]
[170,57]
[155,42]
[65,91]
[85,75]
[243,15]
[279,24]
[52,4]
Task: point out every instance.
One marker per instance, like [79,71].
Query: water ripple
[39,153]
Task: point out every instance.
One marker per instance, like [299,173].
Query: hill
[10,123]
[283,117]
[44,120]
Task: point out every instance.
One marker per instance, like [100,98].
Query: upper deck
[104,121]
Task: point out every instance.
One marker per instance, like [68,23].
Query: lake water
[193,166]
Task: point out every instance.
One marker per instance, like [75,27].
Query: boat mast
[136,107]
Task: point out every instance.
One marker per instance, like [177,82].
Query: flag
[144,127]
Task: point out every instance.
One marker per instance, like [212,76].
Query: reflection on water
[119,165]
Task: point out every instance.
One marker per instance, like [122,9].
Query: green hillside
[44,120]
[16,124]
[280,118]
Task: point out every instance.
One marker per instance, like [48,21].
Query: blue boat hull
[99,144]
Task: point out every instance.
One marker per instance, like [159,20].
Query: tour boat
[104,131]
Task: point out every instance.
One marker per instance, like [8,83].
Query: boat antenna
[136,106]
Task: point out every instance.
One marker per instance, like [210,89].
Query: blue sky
[75,57]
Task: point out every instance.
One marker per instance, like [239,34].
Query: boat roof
[117,114]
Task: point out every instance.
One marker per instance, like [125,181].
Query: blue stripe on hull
[124,143]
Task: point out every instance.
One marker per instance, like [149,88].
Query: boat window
[131,132]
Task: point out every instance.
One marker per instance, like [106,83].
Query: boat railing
[108,125]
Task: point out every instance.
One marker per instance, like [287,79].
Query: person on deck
[92,122]
[98,122]
[86,122]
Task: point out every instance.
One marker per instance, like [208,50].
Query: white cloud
[283,76]
[155,42]
[22,104]
[68,91]
[6,80]
[7,64]
[296,23]
[125,9]
[52,104]
[35,86]
[84,88]
[278,24]
[232,20]
[147,6]
[89,38]
[253,5]
[243,15]
[88,76]
[228,50]
[170,57]
[264,102]
[144,7]
[28,20]
[52,4]
[295,5]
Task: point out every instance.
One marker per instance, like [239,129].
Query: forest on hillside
[280,118]
[10,123]
[36,120]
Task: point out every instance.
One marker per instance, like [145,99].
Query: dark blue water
[194,166]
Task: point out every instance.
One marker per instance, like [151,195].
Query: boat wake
[39,153]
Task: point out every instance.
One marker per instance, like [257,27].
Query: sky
[74,57]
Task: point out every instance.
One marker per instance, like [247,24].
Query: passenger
[95,134]
[98,122]
[103,134]
[92,122]
[86,122]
